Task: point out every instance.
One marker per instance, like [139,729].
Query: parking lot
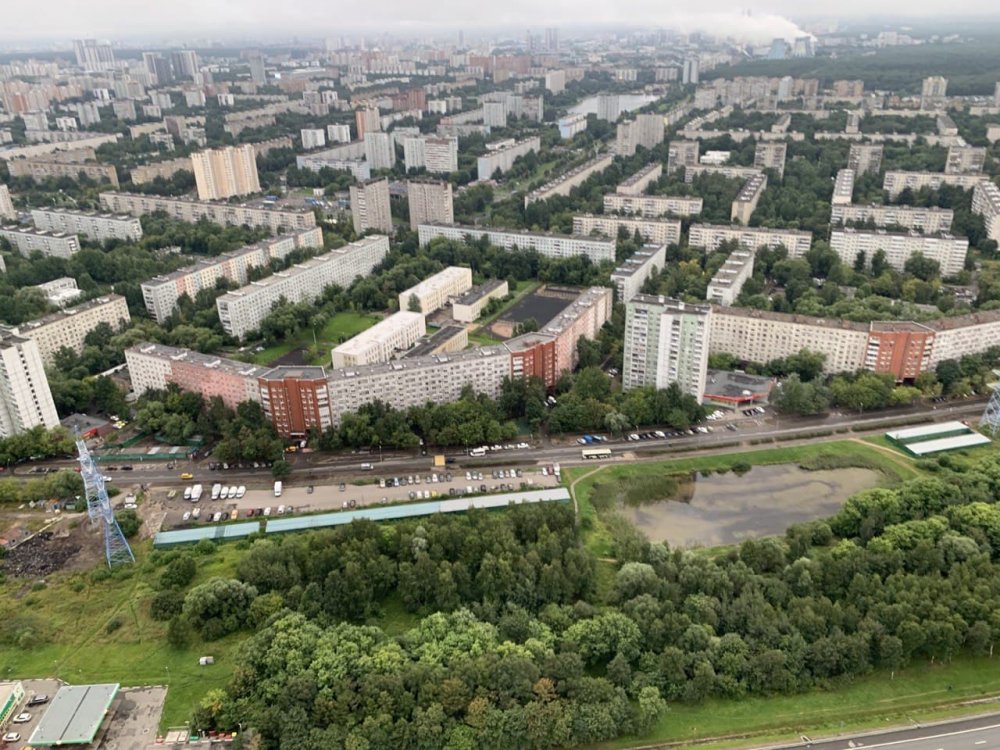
[31,689]
[136,720]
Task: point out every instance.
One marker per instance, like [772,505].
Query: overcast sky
[124,19]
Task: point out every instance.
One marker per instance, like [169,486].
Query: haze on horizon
[123,19]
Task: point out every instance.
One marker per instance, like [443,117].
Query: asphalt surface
[976,733]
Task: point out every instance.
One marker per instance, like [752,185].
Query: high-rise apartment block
[432,293]
[690,71]
[865,157]
[25,398]
[927,220]
[436,155]
[312,138]
[948,251]
[728,281]
[278,220]
[430,202]
[645,130]
[222,173]
[544,243]
[96,226]
[933,92]
[986,203]
[747,199]
[68,328]
[27,240]
[185,63]
[503,158]
[666,341]
[895,182]
[379,150]
[771,155]
[161,293]
[495,114]
[94,56]
[382,341]
[338,133]
[652,205]
[367,121]
[241,311]
[555,81]
[682,154]
[6,206]
[629,277]
[711,236]
[655,231]
[965,159]
[370,206]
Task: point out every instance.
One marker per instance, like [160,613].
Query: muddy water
[727,508]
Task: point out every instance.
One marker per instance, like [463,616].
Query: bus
[597,453]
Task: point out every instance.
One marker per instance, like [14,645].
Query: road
[975,733]
[314,467]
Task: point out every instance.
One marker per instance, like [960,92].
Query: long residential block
[637,183]
[504,158]
[948,251]
[93,225]
[27,240]
[926,220]
[728,281]
[747,199]
[711,236]
[629,277]
[69,327]
[653,205]
[544,243]
[40,169]
[729,171]
[895,182]
[563,184]
[160,294]
[382,341]
[241,311]
[986,203]
[656,231]
[278,220]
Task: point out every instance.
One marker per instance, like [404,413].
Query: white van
[277,488]
[367,467]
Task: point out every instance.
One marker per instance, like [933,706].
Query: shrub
[166,604]
[113,624]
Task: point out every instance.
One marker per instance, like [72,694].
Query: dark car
[37,700]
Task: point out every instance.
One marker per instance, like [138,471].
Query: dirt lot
[135,722]
[69,544]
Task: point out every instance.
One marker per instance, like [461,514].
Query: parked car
[21,718]
[38,700]
[12,737]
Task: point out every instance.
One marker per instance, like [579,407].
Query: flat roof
[926,430]
[478,292]
[428,344]
[926,447]
[219,533]
[737,386]
[74,716]
[7,689]
[381,332]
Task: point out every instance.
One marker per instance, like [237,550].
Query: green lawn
[921,691]
[338,329]
[66,624]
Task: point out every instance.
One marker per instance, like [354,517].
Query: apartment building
[682,155]
[370,208]
[967,334]
[444,340]
[646,130]
[6,206]
[495,114]
[435,154]
[933,92]
[926,220]
[865,157]
[430,202]
[900,348]
[279,221]
[652,205]
[666,341]
[504,158]
[296,400]
[760,336]
[570,125]
[895,182]
[145,173]
[948,251]
[637,183]
[729,171]
[544,243]
[563,184]
[60,292]
[432,293]
[629,277]
[222,173]
[986,203]
[91,224]
[747,199]
[382,341]
[380,153]
[161,293]
[468,307]
[654,231]
[965,159]
[68,328]
[583,317]
[45,167]
[843,188]
[711,236]
[27,240]
[155,366]
[25,398]
[771,155]
[241,311]
[728,281]
[312,138]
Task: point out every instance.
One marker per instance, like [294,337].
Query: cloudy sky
[122,19]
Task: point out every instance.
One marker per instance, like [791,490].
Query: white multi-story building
[682,154]
[338,133]
[495,114]
[93,225]
[986,203]
[711,236]
[771,155]
[965,159]
[432,293]
[242,311]
[25,398]
[629,277]
[279,221]
[27,240]
[927,220]
[6,206]
[225,172]
[729,171]
[563,184]
[948,251]
[161,293]
[60,292]
[370,208]
[728,281]
[655,231]
[430,202]
[555,81]
[468,307]
[865,157]
[544,243]
[437,155]
[379,151]
[652,205]
[896,182]
[666,341]
[636,184]
[747,199]
[312,138]
[382,341]
[843,188]
[645,130]
[968,334]
[504,158]
[68,328]
[570,125]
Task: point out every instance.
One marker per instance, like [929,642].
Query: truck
[277,488]
[196,493]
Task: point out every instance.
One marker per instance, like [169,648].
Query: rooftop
[294,372]
[87,214]
[163,200]
[737,386]
[69,312]
[208,361]
[670,304]
[641,174]
[805,320]
[428,344]
[380,332]
[441,278]
[752,230]
[35,232]
[638,261]
[74,716]
[898,326]
[412,363]
[754,184]
[478,292]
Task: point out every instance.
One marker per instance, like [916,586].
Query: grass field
[67,619]
[339,328]
[920,691]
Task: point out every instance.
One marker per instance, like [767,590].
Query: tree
[129,522]
[281,468]
[413,304]
[795,397]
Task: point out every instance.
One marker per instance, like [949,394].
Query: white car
[21,718]
[224,492]
[232,492]
[267,511]
[186,516]
[12,737]
[241,491]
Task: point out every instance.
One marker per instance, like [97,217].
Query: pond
[728,508]
[627,102]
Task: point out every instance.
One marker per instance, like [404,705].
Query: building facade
[747,199]
[279,221]
[563,184]
[711,236]
[370,208]
[93,225]
[382,341]
[468,307]
[629,277]
[652,205]
[27,240]
[728,281]
[25,398]
[504,158]
[948,251]
[654,231]
[222,173]
[432,293]
[895,182]
[430,202]
[296,400]
[986,203]
[771,155]
[637,183]
[6,206]
[927,220]
[865,157]
[547,244]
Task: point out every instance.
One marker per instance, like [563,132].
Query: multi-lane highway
[975,733]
